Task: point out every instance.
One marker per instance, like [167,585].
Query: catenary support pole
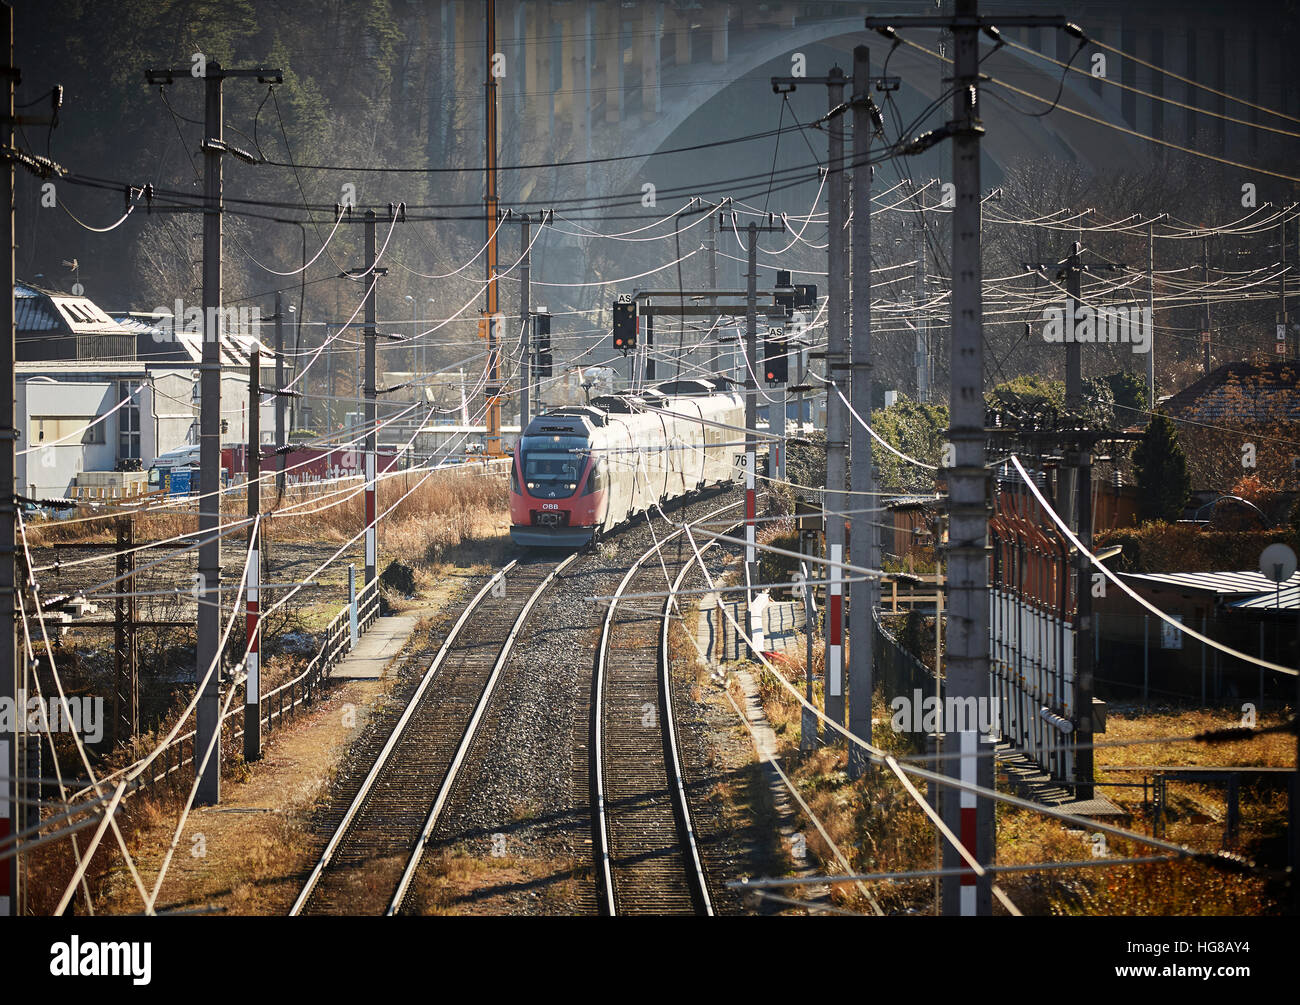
[1281,284]
[281,458]
[776,424]
[371,336]
[253,463]
[918,313]
[1073,374]
[9,760]
[209,613]
[968,486]
[492,220]
[208,587]
[525,325]
[836,365]
[862,477]
[751,402]
[1205,300]
[1151,310]
[1084,652]
[649,349]
[751,412]
[713,260]
[1073,353]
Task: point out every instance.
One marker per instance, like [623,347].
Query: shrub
[1162,478]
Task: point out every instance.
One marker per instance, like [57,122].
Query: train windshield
[553,465]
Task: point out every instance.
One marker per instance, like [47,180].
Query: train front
[555,487]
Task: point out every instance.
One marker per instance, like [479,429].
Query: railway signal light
[542,329]
[784,300]
[776,359]
[791,297]
[625,324]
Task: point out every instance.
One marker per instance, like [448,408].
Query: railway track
[647,854]
[377,845]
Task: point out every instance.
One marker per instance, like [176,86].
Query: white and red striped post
[253,684]
[751,508]
[969,749]
[835,624]
[751,543]
[371,417]
[372,553]
[253,464]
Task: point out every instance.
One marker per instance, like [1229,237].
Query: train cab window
[552,465]
[514,475]
[595,480]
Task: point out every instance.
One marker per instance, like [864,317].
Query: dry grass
[873,822]
[256,846]
[1194,816]
[877,825]
[445,510]
[460,883]
[457,516]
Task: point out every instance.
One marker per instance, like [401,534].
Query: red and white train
[580,471]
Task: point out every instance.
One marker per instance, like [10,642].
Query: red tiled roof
[1243,391]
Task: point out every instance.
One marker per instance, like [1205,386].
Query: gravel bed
[524,792]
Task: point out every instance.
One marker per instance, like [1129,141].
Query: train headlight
[572,486]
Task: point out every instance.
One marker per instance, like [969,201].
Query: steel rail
[381,760]
[682,808]
[670,740]
[467,739]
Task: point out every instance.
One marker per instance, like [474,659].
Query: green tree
[1032,394]
[1028,393]
[805,461]
[916,429]
[1129,392]
[1162,478]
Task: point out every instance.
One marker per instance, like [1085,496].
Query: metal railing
[284,699]
[899,671]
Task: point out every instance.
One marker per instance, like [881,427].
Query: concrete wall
[171,408]
[168,407]
[50,468]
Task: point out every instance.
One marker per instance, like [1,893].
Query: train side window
[514,475]
[595,480]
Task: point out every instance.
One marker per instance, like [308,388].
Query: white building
[80,420]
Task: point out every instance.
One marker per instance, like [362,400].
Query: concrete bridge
[593,79]
[585,79]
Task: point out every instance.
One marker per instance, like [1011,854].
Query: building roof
[1229,584]
[188,346]
[157,343]
[1287,599]
[64,369]
[141,324]
[44,311]
[914,501]
[1243,391]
